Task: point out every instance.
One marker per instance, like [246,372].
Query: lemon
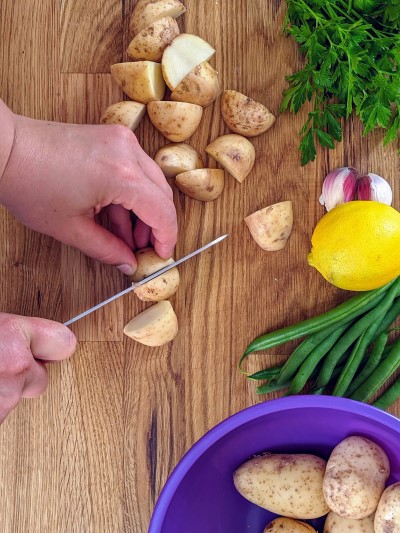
[356,246]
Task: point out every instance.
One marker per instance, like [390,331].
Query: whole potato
[285,484]
[338,524]
[387,516]
[160,288]
[288,525]
[355,477]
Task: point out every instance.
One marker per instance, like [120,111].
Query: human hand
[60,176]
[26,344]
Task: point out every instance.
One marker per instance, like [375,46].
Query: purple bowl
[199,496]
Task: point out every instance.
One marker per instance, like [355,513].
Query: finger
[36,380]
[121,224]
[49,340]
[10,394]
[153,172]
[141,234]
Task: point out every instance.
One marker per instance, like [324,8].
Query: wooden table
[93,453]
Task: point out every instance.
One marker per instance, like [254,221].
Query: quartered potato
[155,326]
[387,516]
[150,43]
[288,525]
[160,288]
[234,153]
[271,226]
[174,159]
[200,86]
[127,113]
[177,121]
[338,524]
[148,11]
[141,80]
[204,184]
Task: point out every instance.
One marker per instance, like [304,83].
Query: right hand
[26,345]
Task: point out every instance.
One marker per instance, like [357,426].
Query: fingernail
[128,270]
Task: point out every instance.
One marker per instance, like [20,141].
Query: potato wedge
[204,184]
[337,524]
[245,116]
[150,43]
[201,86]
[183,55]
[155,326]
[174,159]
[148,11]
[387,516]
[234,153]
[142,80]
[288,525]
[128,114]
[160,288]
[271,227]
[177,121]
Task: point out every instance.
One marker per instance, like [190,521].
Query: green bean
[358,352]
[384,370]
[318,391]
[390,317]
[372,362]
[313,359]
[267,373]
[389,396]
[271,386]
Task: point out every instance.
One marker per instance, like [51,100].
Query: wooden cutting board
[93,453]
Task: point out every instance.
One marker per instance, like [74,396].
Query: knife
[145,280]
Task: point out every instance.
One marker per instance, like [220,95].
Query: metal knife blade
[145,280]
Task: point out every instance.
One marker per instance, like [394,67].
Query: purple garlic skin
[339,187]
[374,187]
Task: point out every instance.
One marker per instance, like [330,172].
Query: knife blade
[145,280]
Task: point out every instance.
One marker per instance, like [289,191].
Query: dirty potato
[141,80]
[155,326]
[204,184]
[200,86]
[288,525]
[150,43]
[387,516]
[271,226]
[285,484]
[177,121]
[234,153]
[127,113]
[173,159]
[160,288]
[148,11]
[338,524]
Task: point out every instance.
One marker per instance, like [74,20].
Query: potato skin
[148,11]
[271,226]
[234,153]
[288,525]
[160,288]
[204,184]
[173,159]
[201,86]
[355,477]
[285,484]
[140,80]
[155,326]
[244,115]
[127,113]
[387,516]
[150,43]
[338,524]
[177,121]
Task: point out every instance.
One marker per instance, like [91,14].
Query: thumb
[97,242]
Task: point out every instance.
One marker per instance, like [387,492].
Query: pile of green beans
[344,352]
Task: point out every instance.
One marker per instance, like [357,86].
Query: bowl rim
[246,415]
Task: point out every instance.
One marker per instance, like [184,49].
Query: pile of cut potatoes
[349,489]
[161,57]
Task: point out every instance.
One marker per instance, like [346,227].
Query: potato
[288,525]
[128,114]
[204,184]
[271,226]
[387,516]
[151,42]
[183,55]
[177,121]
[200,86]
[234,153]
[338,524]
[142,80]
[355,477]
[148,11]
[155,326]
[173,159]
[285,484]
[245,116]
[159,288]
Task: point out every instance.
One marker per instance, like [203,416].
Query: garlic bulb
[373,187]
[339,186]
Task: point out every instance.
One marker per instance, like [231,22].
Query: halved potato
[142,80]
[177,121]
[243,115]
[150,43]
[176,158]
[200,86]
[183,55]
[148,11]
[204,184]
[271,227]
[155,326]
[234,153]
[160,288]
[128,114]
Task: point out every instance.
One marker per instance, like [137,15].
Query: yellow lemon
[356,246]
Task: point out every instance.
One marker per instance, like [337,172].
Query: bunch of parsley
[352,62]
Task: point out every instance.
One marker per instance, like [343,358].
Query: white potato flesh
[201,86]
[128,114]
[177,121]
[141,80]
[204,184]
[234,153]
[150,43]
[148,11]
[285,484]
[338,524]
[271,226]
[355,477]
[183,55]
[288,525]
[160,288]
[387,516]
[173,159]
[155,326]
[244,115]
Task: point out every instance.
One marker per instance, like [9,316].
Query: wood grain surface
[93,453]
